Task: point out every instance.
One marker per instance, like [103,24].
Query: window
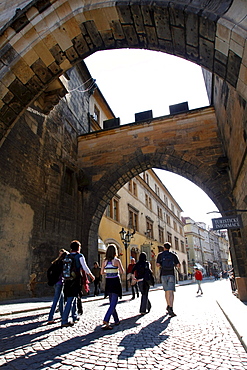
[150,203]
[96,114]
[169,237]
[112,210]
[133,218]
[175,226]
[134,188]
[146,200]
[165,200]
[108,211]
[182,246]
[176,243]
[168,220]
[161,234]
[157,190]
[115,210]
[159,211]
[149,228]
[172,207]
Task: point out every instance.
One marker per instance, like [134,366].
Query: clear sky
[134,81]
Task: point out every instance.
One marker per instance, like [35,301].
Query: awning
[200,267]
[101,246]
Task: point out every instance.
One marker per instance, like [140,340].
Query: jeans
[58,296]
[145,303]
[134,288]
[71,304]
[199,286]
[96,286]
[113,297]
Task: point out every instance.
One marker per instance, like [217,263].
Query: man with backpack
[167,261]
[73,264]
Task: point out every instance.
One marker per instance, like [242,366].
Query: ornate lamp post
[126,237]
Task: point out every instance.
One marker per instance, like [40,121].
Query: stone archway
[43,40]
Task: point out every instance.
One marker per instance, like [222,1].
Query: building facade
[144,206]
[206,249]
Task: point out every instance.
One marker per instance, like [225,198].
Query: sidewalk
[234,310]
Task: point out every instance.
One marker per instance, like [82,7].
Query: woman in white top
[112,267]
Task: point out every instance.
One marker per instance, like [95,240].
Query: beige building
[206,249]
[144,206]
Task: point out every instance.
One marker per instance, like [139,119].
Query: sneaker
[67,324]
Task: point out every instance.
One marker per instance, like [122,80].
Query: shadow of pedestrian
[21,328]
[147,337]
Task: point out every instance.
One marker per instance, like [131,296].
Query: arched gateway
[41,40]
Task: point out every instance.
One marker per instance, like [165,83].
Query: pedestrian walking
[112,268]
[133,282]
[98,277]
[55,278]
[73,284]
[141,268]
[167,261]
[198,277]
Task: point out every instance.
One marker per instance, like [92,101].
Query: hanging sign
[230,222]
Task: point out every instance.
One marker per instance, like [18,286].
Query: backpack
[70,270]
[54,272]
[167,261]
[148,276]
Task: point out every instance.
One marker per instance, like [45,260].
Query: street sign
[230,222]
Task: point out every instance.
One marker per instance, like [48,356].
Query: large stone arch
[43,40]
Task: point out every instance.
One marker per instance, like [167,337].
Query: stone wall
[40,203]
[231,112]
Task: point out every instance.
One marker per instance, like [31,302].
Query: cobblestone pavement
[199,337]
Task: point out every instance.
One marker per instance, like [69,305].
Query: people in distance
[132,281]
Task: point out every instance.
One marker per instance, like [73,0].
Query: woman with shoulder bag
[112,268]
[140,268]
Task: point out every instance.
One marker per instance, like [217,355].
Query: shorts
[168,282]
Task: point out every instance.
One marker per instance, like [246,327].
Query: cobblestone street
[199,337]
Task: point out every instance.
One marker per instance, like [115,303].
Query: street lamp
[126,237]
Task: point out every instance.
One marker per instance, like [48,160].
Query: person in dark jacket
[98,278]
[139,270]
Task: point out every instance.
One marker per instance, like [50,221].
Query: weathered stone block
[233,67]
[161,20]
[41,71]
